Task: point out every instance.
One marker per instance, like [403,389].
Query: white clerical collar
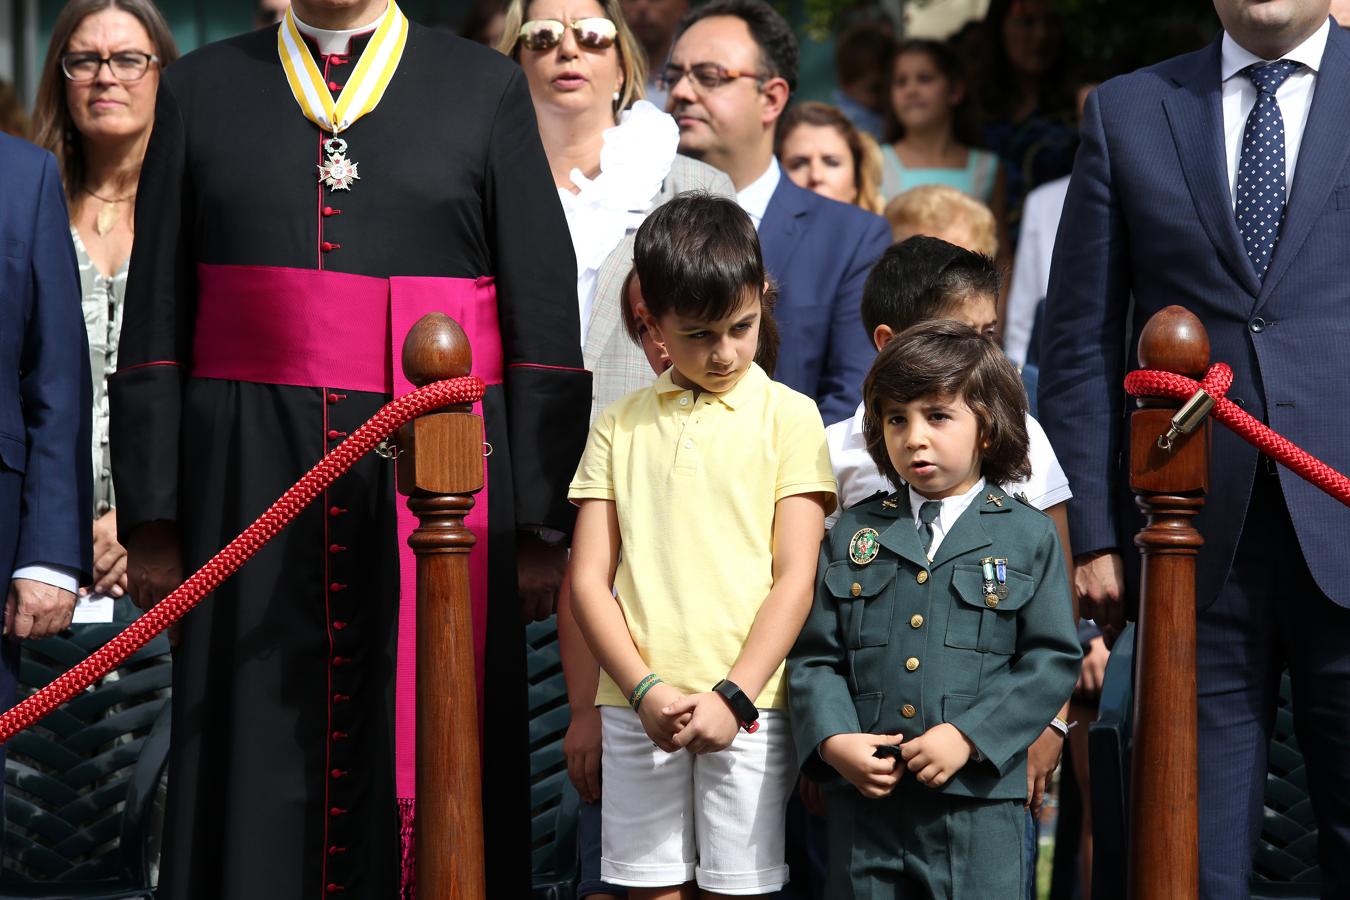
[335,41]
[1233,57]
[757,194]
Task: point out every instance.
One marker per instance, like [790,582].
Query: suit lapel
[783,225]
[1195,116]
[967,534]
[1321,157]
[902,538]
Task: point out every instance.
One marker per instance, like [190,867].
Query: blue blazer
[46,479]
[1149,222]
[819,252]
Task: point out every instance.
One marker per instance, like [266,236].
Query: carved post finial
[1174,340]
[435,349]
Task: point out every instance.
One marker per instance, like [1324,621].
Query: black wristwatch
[741,707]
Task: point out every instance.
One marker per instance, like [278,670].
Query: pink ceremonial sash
[312,328]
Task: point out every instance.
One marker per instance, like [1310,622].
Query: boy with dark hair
[941,638]
[701,507]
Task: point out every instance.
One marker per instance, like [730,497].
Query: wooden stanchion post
[440,468]
[1170,488]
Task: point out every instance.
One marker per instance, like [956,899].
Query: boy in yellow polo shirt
[702,504]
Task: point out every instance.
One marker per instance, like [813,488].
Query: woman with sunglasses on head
[613,157]
[95,107]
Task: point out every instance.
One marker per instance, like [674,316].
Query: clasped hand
[698,723]
[934,757]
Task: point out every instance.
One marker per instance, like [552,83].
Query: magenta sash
[312,328]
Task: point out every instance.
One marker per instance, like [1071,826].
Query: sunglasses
[591,34]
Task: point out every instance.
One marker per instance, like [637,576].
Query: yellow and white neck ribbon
[366,86]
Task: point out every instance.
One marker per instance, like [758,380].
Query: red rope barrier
[1217,381]
[238,551]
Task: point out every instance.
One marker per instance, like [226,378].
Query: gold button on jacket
[916,621]
[922,576]
[912,663]
[908,711]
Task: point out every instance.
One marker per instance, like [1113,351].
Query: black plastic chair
[1285,863]
[81,785]
[553,799]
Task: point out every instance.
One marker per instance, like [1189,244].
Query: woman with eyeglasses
[613,157]
[94,111]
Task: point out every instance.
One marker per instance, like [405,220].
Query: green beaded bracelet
[643,686]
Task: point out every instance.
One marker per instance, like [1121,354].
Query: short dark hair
[862,51]
[948,359]
[698,256]
[774,36]
[923,278]
[766,353]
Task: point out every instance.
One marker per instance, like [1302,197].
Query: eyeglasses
[591,34]
[708,76]
[128,65]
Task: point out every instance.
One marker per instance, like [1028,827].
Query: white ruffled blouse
[634,162]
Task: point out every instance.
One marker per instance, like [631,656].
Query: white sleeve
[1047,484]
[57,576]
[1022,294]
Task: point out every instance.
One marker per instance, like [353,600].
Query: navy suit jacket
[1149,222]
[46,479]
[819,252]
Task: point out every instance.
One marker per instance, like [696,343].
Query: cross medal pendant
[338,172]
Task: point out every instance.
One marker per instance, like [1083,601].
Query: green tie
[928,512]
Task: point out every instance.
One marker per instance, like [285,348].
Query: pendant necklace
[338,172]
[107,216]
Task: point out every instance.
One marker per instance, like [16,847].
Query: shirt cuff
[62,577]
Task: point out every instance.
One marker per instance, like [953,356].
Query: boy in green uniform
[940,640]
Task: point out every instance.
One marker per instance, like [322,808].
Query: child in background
[943,212]
[701,507]
[941,639]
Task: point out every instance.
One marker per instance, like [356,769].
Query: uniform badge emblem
[864,547]
[338,172]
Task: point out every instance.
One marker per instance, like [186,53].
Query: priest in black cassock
[309,191]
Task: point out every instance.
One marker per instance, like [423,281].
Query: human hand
[1042,760]
[110,558]
[1099,581]
[852,756]
[581,747]
[1093,672]
[154,563]
[539,575]
[813,797]
[660,727]
[34,609]
[711,727]
[937,754]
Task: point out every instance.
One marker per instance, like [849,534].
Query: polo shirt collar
[751,383]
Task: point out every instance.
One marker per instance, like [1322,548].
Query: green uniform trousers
[919,843]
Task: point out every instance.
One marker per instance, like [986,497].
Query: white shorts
[715,818]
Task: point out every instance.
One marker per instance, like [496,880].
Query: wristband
[747,715]
[640,691]
[1060,725]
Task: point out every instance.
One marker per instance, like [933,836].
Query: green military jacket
[898,644]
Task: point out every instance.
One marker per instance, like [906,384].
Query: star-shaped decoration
[338,173]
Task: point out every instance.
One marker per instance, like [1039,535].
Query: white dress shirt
[859,478]
[1031,268]
[757,194]
[952,507]
[1294,95]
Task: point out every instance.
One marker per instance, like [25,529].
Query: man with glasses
[731,73]
[309,191]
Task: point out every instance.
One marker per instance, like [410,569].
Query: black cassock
[281,771]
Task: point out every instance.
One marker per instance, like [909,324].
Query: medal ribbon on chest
[362,93]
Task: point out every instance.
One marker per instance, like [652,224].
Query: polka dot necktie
[1260,181]
[928,512]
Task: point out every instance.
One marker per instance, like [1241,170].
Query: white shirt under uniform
[859,477]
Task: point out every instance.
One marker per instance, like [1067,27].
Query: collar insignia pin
[864,547]
[994,499]
[338,172]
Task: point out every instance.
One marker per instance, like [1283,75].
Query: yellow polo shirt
[695,481]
